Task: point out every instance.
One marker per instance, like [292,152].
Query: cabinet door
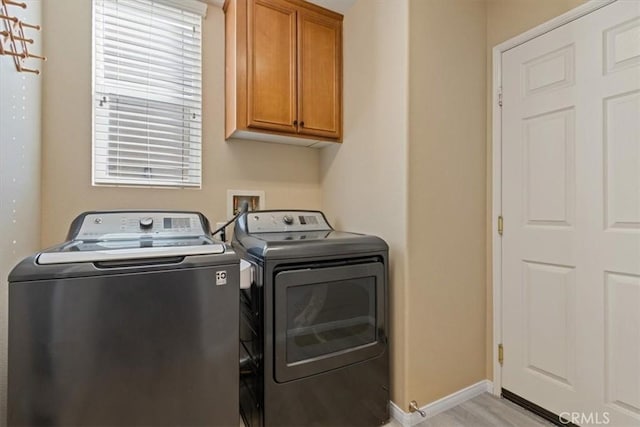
[272,96]
[319,75]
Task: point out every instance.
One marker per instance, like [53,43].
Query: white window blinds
[147,94]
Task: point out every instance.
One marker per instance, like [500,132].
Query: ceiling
[340,6]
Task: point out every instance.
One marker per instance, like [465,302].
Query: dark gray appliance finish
[148,340]
[313,330]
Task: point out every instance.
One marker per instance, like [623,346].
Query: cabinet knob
[295,122]
[302,124]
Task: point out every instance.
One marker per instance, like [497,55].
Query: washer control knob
[146,222]
[287,219]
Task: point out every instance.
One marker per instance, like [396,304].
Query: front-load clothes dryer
[313,334]
[132,322]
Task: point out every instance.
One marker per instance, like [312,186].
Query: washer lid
[115,250]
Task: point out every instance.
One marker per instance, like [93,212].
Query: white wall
[364,181]
[19,172]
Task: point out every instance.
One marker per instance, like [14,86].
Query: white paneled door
[571,207]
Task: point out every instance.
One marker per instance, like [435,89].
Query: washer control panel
[140,224]
[282,221]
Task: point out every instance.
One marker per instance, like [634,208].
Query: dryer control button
[287,219]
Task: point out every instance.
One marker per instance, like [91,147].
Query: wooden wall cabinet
[283,72]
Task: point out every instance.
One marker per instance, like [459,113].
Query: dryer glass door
[327,318]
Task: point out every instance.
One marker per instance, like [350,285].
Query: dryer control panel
[285,221]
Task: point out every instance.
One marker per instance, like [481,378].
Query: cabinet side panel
[241,63]
[230,92]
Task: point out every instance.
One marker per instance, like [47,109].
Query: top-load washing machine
[132,321]
[313,334]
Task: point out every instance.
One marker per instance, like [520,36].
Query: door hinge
[500,354]
[500,97]
[500,225]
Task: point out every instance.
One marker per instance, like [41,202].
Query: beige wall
[446,245]
[414,167]
[426,177]
[289,175]
[364,184]
[506,19]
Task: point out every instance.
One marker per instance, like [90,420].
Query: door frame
[496,178]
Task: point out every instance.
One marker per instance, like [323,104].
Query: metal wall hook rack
[15,3]
[13,41]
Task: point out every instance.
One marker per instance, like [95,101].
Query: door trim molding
[496,206]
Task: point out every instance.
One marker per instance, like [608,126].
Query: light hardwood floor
[483,411]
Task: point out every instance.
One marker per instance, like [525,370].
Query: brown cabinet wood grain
[319,75]
[272,91]
[283,71]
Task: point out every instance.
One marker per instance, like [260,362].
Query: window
[147,102]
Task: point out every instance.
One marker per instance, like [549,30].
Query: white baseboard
[409,419]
